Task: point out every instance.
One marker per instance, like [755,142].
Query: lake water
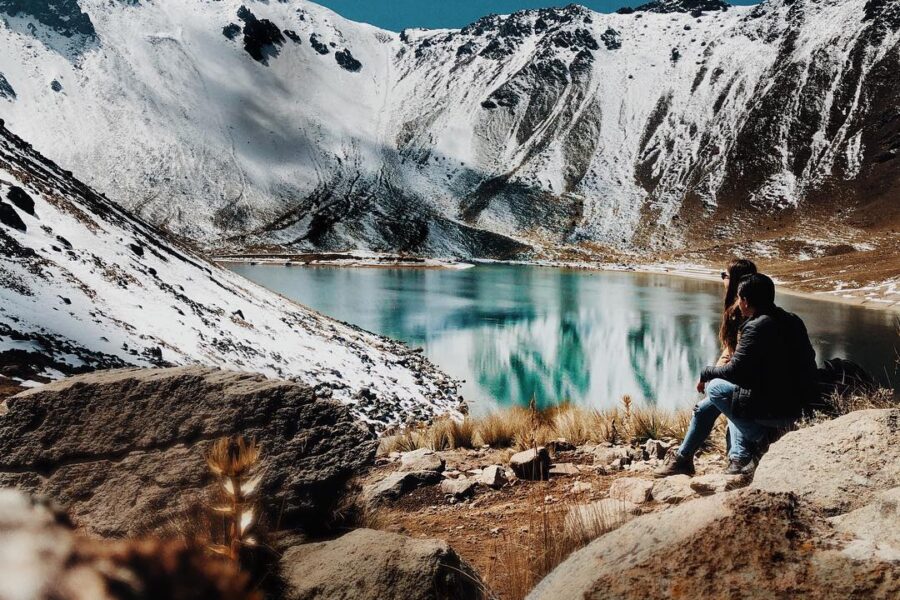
[511,332]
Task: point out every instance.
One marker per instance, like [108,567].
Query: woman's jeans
[745,433]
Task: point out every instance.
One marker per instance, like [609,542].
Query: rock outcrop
[759,543]
[373,565]
[124,450]
[43,559]
[839,465]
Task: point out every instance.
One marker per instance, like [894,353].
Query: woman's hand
[701,386]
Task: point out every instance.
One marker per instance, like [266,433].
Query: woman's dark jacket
[774,364]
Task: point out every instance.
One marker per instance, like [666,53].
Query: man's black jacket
[774,364]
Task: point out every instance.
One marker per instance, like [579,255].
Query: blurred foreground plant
[235,462]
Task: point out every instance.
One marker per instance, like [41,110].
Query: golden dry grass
[552,535]
[519,428]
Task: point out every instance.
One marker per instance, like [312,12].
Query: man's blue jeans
[745,433]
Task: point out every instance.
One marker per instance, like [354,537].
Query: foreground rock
[839,465]
[42,559]
[124,450]
[715,546]
[374,565]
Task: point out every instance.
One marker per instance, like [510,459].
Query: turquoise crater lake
[512,331]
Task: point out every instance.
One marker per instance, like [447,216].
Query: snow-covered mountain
[680,123]
[85,285]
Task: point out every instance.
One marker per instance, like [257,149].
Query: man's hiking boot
[742,466]
[735,465]
[675,464]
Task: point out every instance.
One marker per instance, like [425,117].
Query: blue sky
[397,15]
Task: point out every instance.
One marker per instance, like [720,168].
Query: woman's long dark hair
[731,315]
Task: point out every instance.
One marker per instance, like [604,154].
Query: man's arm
[745,361]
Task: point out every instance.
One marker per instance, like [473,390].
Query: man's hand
[701,386]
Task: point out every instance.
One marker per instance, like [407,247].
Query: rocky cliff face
[677,124]
[86,285]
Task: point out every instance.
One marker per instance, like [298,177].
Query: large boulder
[124,450]
[41,558]
[746,543]
[840,465]
[875,527]
[376,565]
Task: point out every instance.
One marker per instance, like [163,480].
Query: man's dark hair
[758,290]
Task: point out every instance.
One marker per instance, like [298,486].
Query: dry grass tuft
[448,434]
[500,429]
[842,404]
[553,534]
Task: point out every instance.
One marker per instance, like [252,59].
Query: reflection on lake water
[590,337]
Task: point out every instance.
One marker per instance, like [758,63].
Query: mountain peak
[673,6]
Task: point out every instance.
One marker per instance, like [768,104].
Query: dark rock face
[611,38]
[347,62]
[10,218]
[231,30]
[21,199]
[6,90]
[261,36]
[292,35]
[63,16]
[688,6]
[56,86]
[318,45]
[371,565]
[125,450]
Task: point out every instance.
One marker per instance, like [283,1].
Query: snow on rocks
[517,150]
[86,286]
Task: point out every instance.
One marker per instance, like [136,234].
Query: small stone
[580,487]
[531,464]
[715,483]
[604,456]
[458,488]
[564,469]
[656,449]
[631,489]
[422,459]
[398,484]
[560,445]
[493,476]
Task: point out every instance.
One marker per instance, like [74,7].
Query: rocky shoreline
[123,452]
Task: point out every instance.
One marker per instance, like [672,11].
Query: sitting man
[765,385]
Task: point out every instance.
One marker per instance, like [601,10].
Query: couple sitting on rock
[761,383]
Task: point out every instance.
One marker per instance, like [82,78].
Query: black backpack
[842,377]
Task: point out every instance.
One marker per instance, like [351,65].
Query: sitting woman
[732,319]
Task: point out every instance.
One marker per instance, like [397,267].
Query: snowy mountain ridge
[86,286]
[253,123]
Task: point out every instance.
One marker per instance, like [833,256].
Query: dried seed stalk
[235,462]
